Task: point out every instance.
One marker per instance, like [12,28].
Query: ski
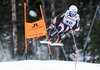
[45,42]
[56,44]
[51,44]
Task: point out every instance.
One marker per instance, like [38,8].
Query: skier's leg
[49,37]
[57,31]
[63,35]
[61,32]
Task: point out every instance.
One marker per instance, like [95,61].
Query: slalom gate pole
[26,48]
[49,47]
[26,45]
[75,50]
[49,50]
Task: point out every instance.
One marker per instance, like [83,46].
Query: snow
[47,65]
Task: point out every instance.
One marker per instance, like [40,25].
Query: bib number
[69,21]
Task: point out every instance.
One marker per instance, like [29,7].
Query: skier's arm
[57,20]
[76,27]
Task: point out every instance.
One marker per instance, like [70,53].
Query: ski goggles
[72,12]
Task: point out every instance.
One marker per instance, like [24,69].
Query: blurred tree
[6,28]
[14,31]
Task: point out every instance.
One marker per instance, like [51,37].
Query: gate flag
[34,29]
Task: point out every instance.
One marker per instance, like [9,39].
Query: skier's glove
[77,29]
[51,26]
[72,32]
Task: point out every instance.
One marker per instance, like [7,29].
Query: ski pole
[47,29]
[64,52]
[76,49]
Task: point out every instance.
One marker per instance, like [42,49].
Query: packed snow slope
[47,65]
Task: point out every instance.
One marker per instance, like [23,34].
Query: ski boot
[58,40]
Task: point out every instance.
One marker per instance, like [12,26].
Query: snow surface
[47,65]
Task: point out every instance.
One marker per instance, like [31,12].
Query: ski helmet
[73,8]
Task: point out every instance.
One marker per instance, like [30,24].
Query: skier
[68,21]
